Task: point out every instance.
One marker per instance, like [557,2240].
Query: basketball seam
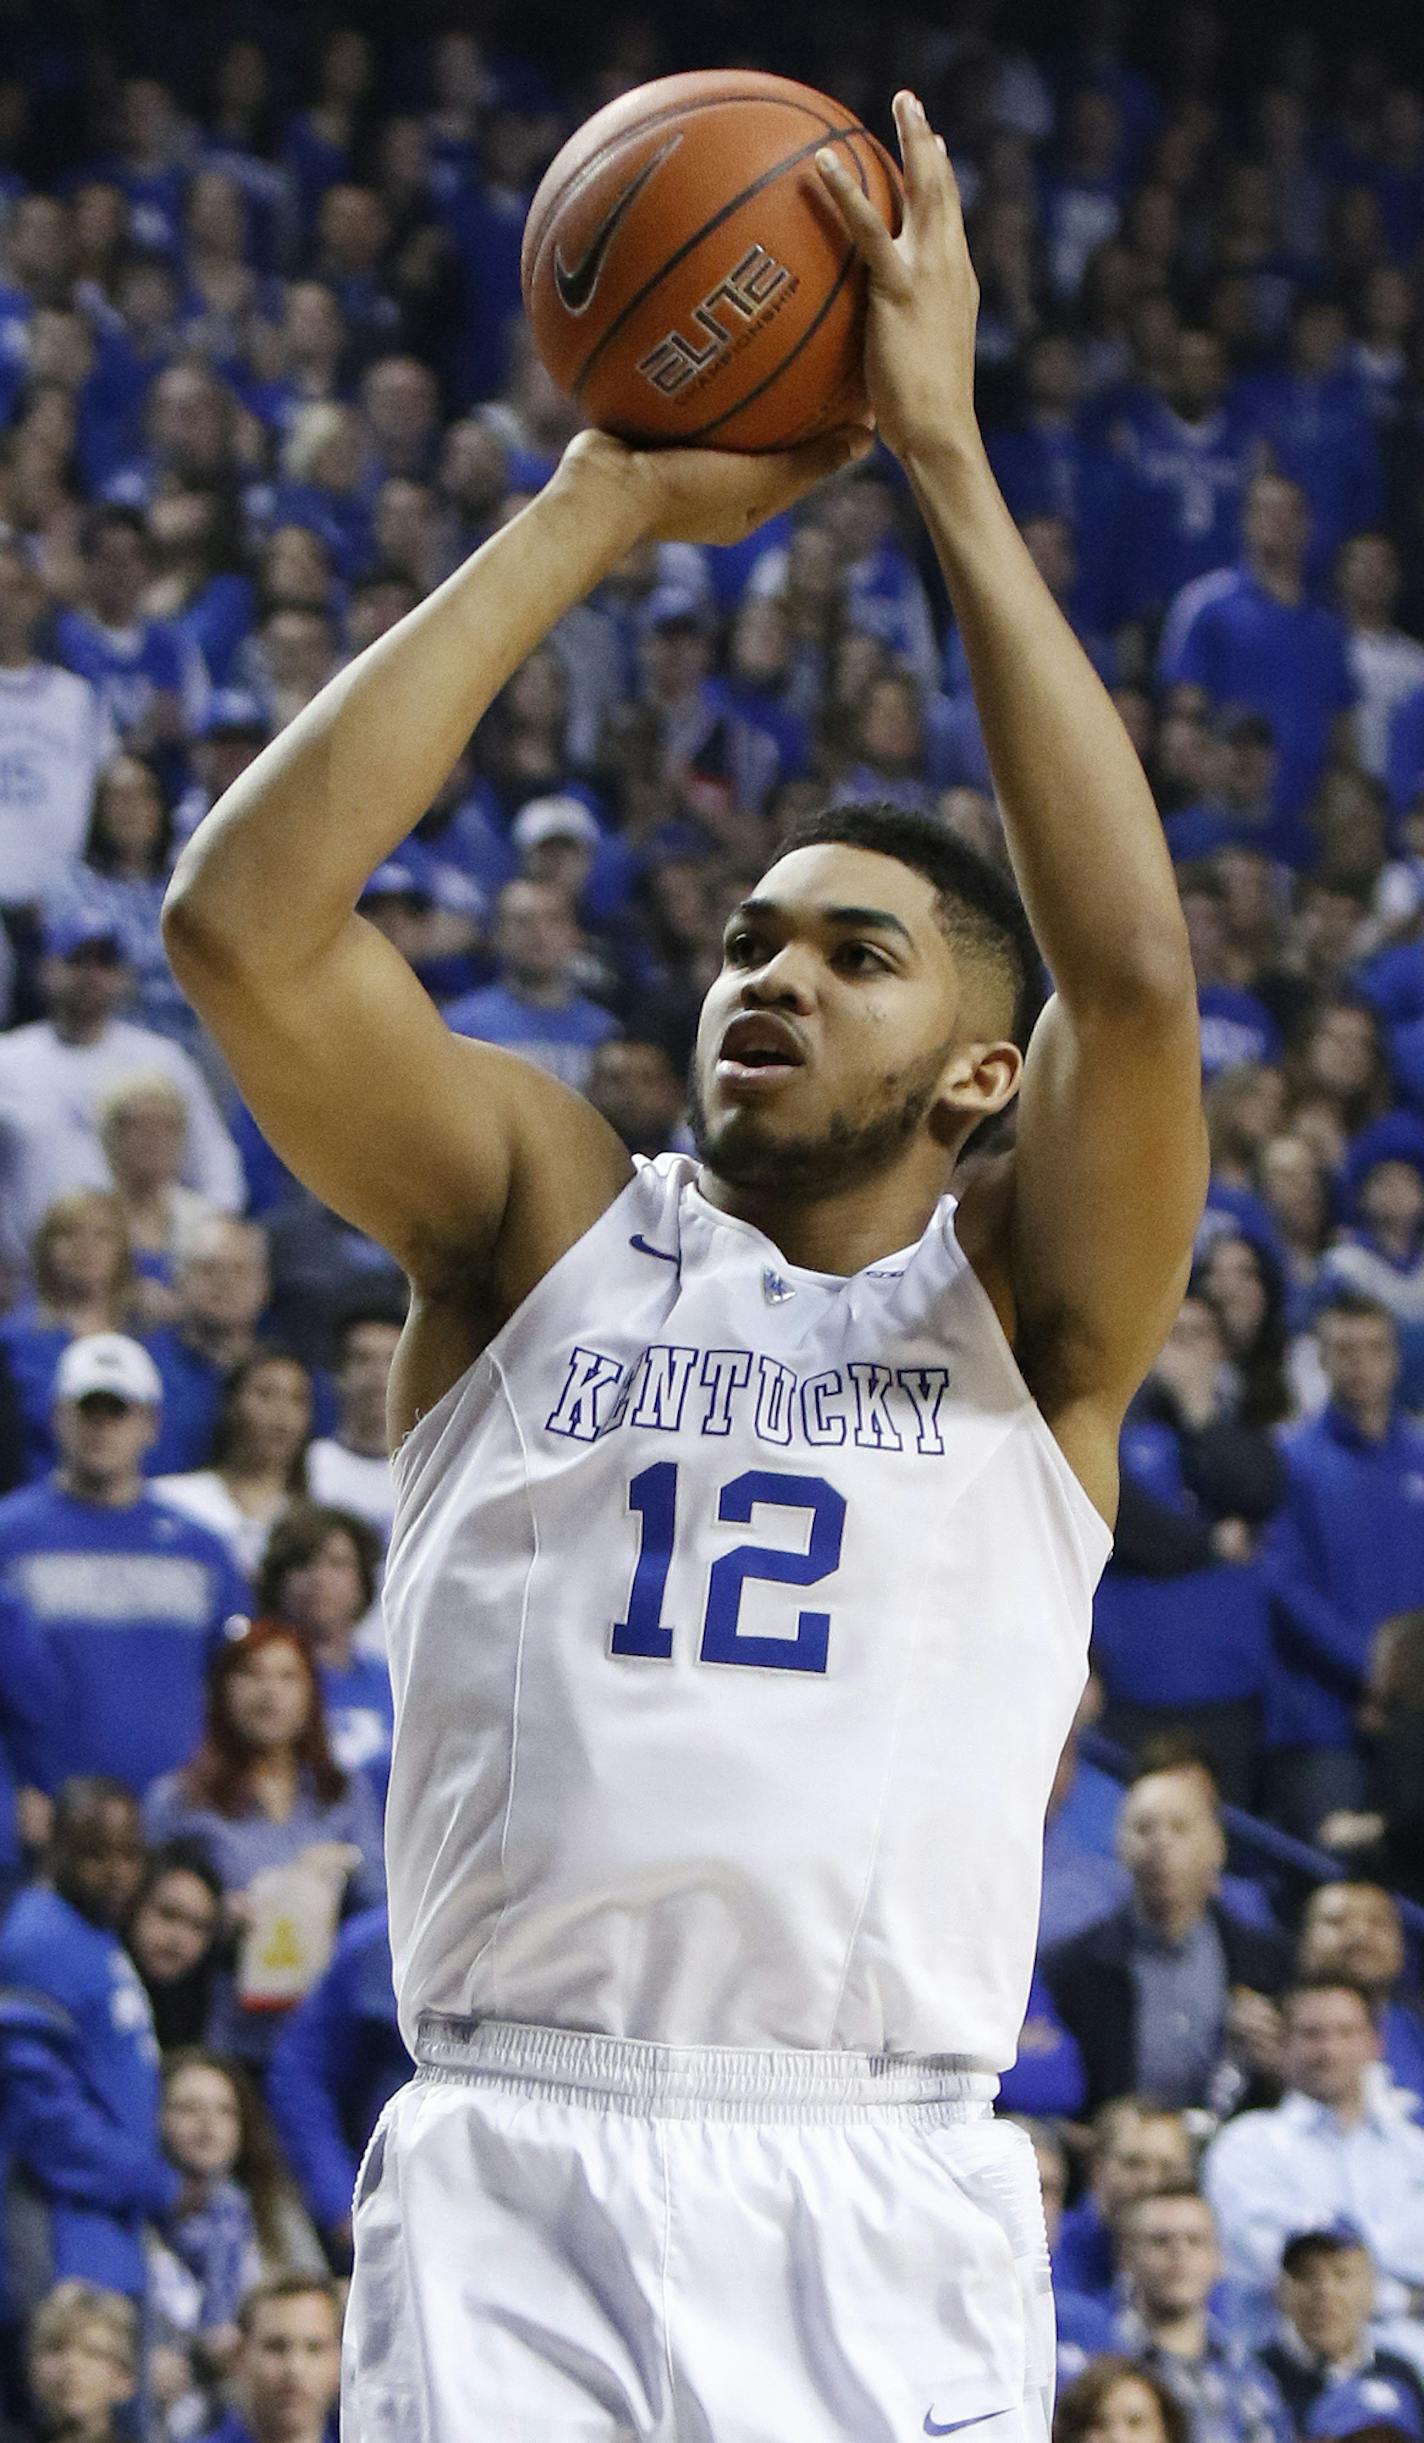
[829,135]
[759,389]
[642,127]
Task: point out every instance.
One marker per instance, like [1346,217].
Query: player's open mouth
[758,1049]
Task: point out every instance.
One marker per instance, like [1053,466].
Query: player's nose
[785,981]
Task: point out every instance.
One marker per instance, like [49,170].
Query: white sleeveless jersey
[737,1617]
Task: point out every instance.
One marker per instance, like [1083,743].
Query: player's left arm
[1102,1198]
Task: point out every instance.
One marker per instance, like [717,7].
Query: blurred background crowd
[263,383]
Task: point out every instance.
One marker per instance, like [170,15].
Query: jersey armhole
[427,1429]
[1094,1534]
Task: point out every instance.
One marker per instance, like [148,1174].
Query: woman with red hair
[264,1794]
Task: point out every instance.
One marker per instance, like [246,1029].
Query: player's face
[840,1030]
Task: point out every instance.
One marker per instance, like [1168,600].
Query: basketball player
[749,1509]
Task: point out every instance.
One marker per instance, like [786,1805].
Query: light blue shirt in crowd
[1299,2168]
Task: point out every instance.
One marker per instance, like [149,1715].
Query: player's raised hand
[924,298]
[707,496]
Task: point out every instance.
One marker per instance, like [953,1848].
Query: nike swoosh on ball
[576,287]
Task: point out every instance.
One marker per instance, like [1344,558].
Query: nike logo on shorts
[956,2425]
[665,1255]
[576,286]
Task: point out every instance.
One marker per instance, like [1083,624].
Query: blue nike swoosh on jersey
[955,2426]
[666,1255]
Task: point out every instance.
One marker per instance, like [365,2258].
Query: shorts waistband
[703,2082]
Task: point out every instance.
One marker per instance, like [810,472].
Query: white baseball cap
[108,1361]
[554,818]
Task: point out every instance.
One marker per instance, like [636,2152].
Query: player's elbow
[1145,981]
[196,941]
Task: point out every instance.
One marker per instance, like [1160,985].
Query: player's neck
[841,1232]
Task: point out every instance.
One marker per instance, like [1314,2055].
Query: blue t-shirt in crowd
[1048,2080]
[128,667]
[79,2088]
[1235,1026]
[1285,661]
[1344,1552]
[360,1718]
[1084,2330]
[192,1398]
[217,621]
[1320,433]
[1056,471]
[1187,485]
[1199,1638]
[561,1040]
[131,1603]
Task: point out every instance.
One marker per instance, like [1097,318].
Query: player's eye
[859,958]
[742,949]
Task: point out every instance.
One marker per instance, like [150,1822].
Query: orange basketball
[687,276]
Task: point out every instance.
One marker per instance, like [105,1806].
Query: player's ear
[979,1078]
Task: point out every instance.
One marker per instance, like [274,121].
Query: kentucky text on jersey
[671,1389]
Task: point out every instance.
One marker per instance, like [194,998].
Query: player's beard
[748,1152]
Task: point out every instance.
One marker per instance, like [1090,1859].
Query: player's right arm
[474,1169]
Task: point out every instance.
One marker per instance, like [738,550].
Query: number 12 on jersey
[652,1497]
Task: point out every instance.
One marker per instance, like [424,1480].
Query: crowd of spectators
[263,383]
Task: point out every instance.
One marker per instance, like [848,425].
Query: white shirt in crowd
[201,1493]
[349,1480]
[50,1093]
[55,739]
[1386,666]
[1299,2168]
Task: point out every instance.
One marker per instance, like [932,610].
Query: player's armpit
[476,1170]
[1108,1182]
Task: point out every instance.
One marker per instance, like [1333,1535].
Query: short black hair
[1306,2247]
[976,906]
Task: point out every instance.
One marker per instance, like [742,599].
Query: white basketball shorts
[566,2239]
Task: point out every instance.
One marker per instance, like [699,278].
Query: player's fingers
[930,184]
[872,238]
